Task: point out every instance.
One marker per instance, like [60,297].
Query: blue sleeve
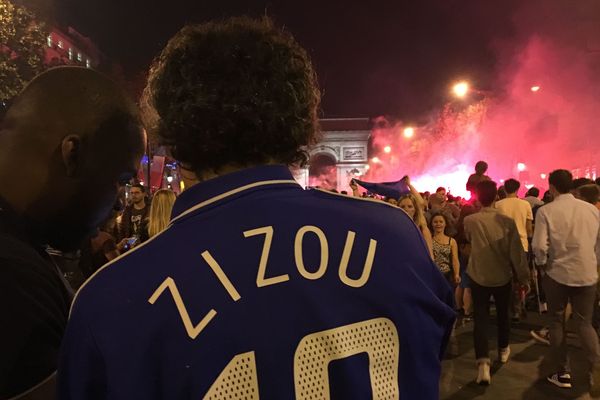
[81,367]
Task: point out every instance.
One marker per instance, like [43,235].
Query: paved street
[519,378]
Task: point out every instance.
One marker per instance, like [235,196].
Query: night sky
[372,58]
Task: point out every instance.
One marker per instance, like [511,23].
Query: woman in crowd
[445,249]
[413,208]
[160,211]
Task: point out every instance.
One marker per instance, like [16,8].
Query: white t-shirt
[520,211]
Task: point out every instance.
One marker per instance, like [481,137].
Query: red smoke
[555,126]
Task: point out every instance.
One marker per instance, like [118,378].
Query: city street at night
[522,378]
[276,200]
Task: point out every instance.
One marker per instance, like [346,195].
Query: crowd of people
[247,285]
[135,217]
[487,249]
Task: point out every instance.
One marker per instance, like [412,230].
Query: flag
[387,189]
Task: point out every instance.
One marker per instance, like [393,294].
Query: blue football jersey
[262,290]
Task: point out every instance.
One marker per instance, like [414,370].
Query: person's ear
[71,154]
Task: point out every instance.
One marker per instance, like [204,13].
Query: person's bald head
[74,135]
[62,101]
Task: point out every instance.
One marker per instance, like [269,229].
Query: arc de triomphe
[341,154]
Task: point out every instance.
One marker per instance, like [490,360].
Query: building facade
[71,48]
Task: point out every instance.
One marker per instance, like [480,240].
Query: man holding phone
[133,218]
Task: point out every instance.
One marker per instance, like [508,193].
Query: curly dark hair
[238,92]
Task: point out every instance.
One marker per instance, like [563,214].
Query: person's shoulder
[504,218]
[14,251]
[116,273]
[587,206]
[471,218]
[524,203]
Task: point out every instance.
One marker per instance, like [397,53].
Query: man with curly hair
[258,288]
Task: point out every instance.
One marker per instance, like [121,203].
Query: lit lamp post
[523,173]
[461,89]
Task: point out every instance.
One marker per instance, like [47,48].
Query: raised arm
[414,192]
[354,188]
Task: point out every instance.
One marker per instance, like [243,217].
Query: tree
[22,41]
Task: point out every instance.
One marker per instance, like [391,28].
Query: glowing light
[142,183]
[387,149]
[367,167]
[535,88]
[409,132]
[521,167]
[529,186]
[375,160]
[169,179]
[543,176]
[454,181]
[501,180]
[460,89]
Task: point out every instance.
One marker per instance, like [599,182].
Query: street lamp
[461,89]
[387,149]
[521,167]
[375,160]
[409,132]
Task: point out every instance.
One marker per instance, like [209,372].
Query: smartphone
[131,242]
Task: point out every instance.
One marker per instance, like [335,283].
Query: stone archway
[345,143]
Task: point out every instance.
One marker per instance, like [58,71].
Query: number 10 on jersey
[376,337]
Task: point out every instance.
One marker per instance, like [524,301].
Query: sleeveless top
[442,255]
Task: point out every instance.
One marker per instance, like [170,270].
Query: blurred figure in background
[532,197]
[445,249]
[480,169]
[496,251]
[100,248]
[412,207]
[133,217]
[566,243]
[160,211]
[590,193]
[519,211]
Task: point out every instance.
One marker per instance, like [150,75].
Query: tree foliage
[22,41]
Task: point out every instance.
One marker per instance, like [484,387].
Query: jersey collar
[217,189]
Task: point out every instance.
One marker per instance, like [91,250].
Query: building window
[88,63]
[60,44]
[70,53]
[49,40]
[79,57]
